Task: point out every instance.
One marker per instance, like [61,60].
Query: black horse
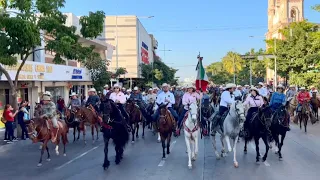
[113,127]
[258,127]
[72,123]
[280,126]
[206,112]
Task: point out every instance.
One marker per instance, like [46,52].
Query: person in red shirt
[303,96]
[9,117]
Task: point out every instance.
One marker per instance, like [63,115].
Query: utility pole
[234,70]
[275,65]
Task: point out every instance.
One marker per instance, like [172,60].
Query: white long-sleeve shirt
[118,97]
[226,99]
[263,92]
[237,93]
[161,98]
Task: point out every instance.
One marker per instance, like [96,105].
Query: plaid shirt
[49,110]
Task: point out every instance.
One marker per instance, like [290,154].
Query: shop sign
[76,74]
[144,53]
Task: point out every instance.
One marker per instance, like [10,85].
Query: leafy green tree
[316,7]
[214,68]
[232,62]
[22,31]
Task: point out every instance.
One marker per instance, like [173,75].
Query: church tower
[281,13]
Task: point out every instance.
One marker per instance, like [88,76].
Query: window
[293,15]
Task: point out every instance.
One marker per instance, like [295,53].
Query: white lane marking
[78,157]
[254,148]
[163,161]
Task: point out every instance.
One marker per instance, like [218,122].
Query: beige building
[133,44]
[280,14]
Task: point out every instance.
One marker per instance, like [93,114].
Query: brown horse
[87,115]
[135,117]
[38,131]
[304,115]
[315,103]
[167,125]
[72,123]
[292,105]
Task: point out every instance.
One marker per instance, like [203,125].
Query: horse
[166,126]
[315,103]
[258,127]
[191,132]
[150,111]
[304,114]
[113,127]
[71,123]
[214,98]
[87,115]
[206,112]
[178,102]
[135,117]
[232,124]
[279,126]
[291,105]
[38,131]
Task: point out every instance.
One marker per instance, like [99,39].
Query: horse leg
[266,143]
[223,151]
[163,141]
[84,134]
[208,128]
[300,120]
[159,137]
[214,144]
[92,133]
[196,146]
[117,161]
[42,151]
[48,158]
[245,146]
[228,143]
[78,129]
[133,127]
[64,141]
[137,133]
[74,133]
[143,126]
[97,130]
[281,144]
[305,123]
[256,141]
[189,150]
[235,162]
[106,162]
[168,143]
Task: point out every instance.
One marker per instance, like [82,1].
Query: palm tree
[214,68]
[232,62]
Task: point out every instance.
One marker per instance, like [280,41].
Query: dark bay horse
[114,127]
[72,123]
[315,103]
[279,127]
[259,127]
[87,115]
[135,117]
[304,115]
[166,126]
[206,112]
[38,131]
[214,98]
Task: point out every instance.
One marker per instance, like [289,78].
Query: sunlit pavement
[142,160]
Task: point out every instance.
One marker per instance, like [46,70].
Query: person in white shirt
[105,90]
[144,97]
[151,97]
[237,93]
[263,91]
[165,97]
[226,100]
[127,95]
[120,99]
[313,90]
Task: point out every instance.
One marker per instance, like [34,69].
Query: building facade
[133,44]
[280,14]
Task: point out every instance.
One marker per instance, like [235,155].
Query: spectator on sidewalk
[23,115]
[9,117]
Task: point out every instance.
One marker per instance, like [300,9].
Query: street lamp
[164,51]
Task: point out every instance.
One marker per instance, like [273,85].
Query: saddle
[54,131]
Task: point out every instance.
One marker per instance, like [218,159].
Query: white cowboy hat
[190,86]
[315,91]
[261,83]
[48,93]
[116,85]
[150,89]
[156,88]
[254,88]
[239,86]
[165,85]
[292,86]
[106,86]
[312,86]
[74,94]
[178,87]
[92,90]
[129,90]
[143,93]
[246,85]
[46,98]
[123,88]
[136,88]
[280,86]
[302,88]
[230,85]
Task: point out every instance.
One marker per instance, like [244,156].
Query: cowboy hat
[143,93]
[74,94]
[239,86]
[46,98]
[261,83]
[280,86]
[136,88]
[165,85]
[190,86]
[92,90]
[156,88]
[116,85]
[302,88]
[246,85]
[230,85]
[123,88]
[312,86]
[129,90]
[106,86]
[315,91]
[292,86]
[254,88]
[48,93]
[150,89]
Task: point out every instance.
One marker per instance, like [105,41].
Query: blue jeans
[299,105]
[182,116]
[156,115]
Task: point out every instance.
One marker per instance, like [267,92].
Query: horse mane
[116,112]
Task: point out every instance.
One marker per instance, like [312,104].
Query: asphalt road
[142,160]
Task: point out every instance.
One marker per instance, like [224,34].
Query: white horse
[191,133]
[231,128]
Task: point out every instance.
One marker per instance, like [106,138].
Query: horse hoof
[168,152]
[39,165]
[236,165]
[190,167]
[245,151]
[159,141]
[280,158]
[218,157]
[64,154]
[117,161]
[137,137]
[48,159]
[164,158]
[132,142]
[142,137]
[57,153]
[40,147]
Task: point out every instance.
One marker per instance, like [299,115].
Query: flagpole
[199,59]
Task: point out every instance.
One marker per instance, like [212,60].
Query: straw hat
[48,93]
[302,88]
[150,89]
[136,88]
[74,94]
[46,98]
[292,86]
[106,86]
[92,90]
[116,85]
[230,85]
[190,86]
[165,85]
[129,90]
[261,83]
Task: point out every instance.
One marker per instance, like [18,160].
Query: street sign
[266,56]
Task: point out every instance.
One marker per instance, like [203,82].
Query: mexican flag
[202,78]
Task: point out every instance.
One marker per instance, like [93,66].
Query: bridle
[238,113]
[34,132]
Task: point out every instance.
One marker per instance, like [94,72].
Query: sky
[188,27]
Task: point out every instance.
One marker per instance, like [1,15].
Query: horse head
[163,112]
[110,111]
[130,105]
[193,111]
[34,128]
[238,108]
[77,113]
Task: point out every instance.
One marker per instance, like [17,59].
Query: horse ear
[158,104]
[167,104]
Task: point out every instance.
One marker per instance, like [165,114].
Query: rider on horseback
[120,99]
[49,111]
[226,100]
[303,96]
[93,100]
[165,97]
[278,98]
[178,92]
[263,91]
[238,93]
[291,93]
[137,97]
[191,96]
[74,102]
